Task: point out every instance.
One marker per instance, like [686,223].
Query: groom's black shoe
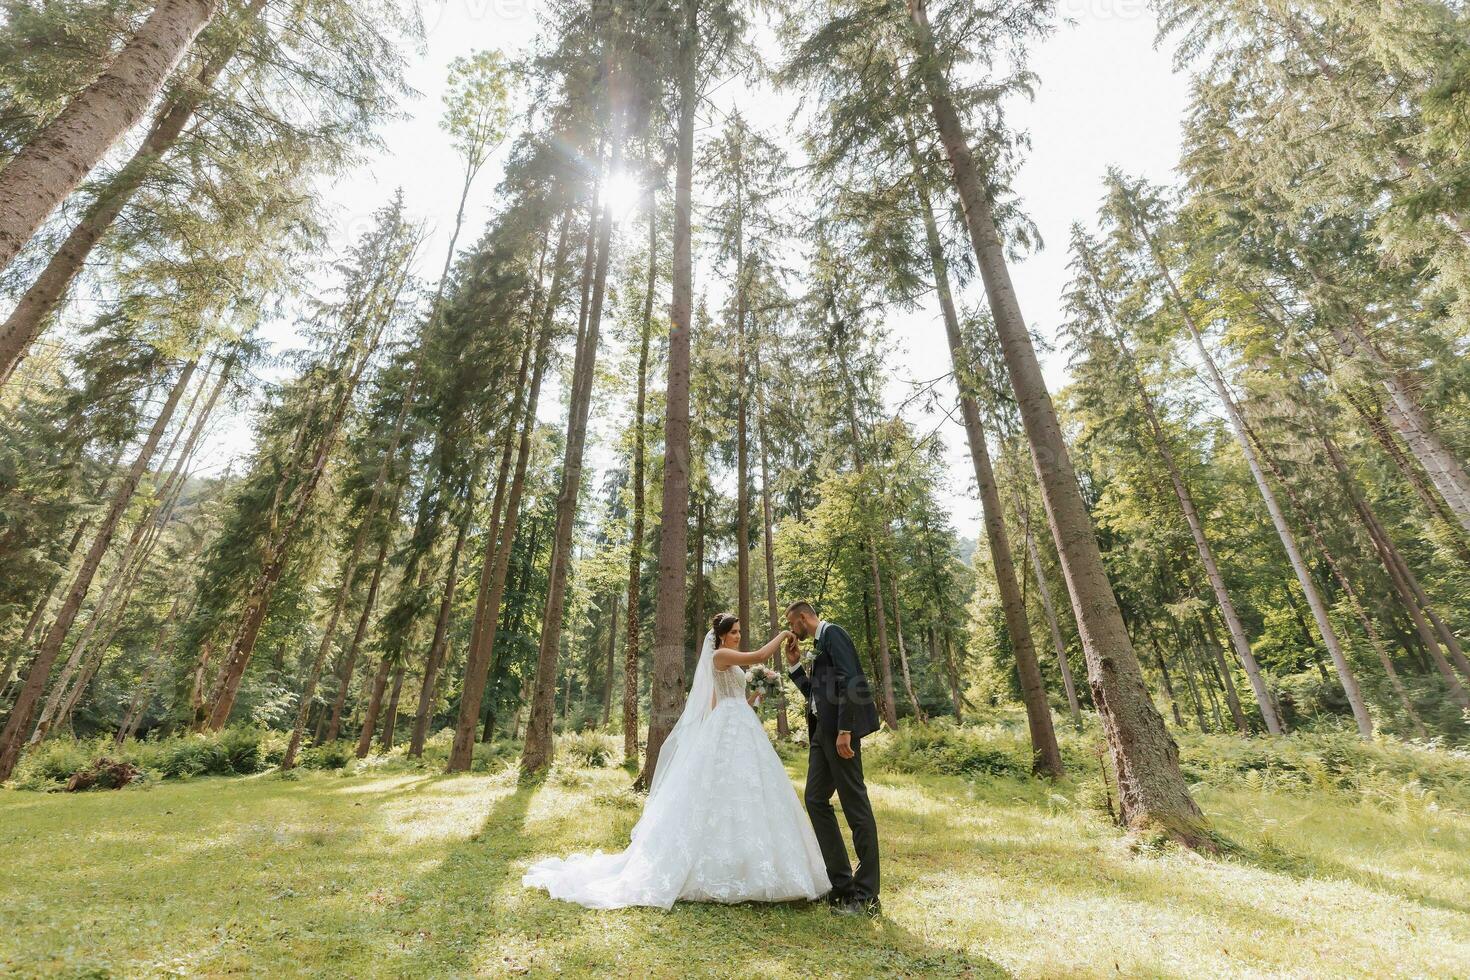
[838,897]
[859,906]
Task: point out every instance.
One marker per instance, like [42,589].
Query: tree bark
[1232,696]
[390,717]
[667,680]
[1046,756]
[60,156]
[1044,589]
[497,558]
[952,673]
[439,645]
[1372,417]
[903,656]
[768,545]
[1278,519]
[1152,788]
[138,706]
[631,644]
[1168,684]
[344,590]
[374,706]
[612,660]
[262,589]
[889,708]
[1411,594]
[349,660]
[1187,506]
[1380,649]
[537,752]
[701,614]
[1409,419]
[12,737]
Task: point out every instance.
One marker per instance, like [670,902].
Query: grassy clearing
[384,872]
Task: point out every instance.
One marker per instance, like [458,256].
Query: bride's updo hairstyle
[722,624]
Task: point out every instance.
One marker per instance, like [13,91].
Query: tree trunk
[1411,594]
[1044,589]
[12,738]
[1185,498]
[60,156]
[497,558]
[374,706]
[666,688]
[1232,696]
[1189,679]
[344,590]
[953,675]
[1409,419]
[38,302]
[903,657]
[1168,684]
[1372,417]
[116,595]
[1380,649]
[768,546]
[1152,788]
[701,614]
[612,660]
[349,659]
[742,432]
[439,645]
[631,644]
[276,552]
[390,717]
[889,707]
[1046,756]
[1278,518]
[138,706]
[537,751]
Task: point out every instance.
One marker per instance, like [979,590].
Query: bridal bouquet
[762,681]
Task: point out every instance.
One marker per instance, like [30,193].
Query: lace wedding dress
[722,822]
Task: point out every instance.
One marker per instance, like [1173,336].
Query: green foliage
[237,751]
[944,749]
[328,755]
[1336,762]
[590,750]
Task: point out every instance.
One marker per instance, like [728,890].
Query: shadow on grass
[797,939]
[461,888]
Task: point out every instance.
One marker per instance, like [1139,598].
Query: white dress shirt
[821,628]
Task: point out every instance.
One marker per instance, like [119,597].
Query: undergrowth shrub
[236,751]
[590,750]
[1386,771]
[328,755]
[943,749]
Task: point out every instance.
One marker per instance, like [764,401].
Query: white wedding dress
[721,824]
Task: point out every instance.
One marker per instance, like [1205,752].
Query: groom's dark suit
[838,699]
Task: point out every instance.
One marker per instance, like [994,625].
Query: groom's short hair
[801,608]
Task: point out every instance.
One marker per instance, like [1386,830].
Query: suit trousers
[828,772]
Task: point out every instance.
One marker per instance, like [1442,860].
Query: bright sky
[1106,97]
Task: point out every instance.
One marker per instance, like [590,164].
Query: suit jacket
[837,688]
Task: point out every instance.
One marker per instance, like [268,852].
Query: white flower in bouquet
[762,681]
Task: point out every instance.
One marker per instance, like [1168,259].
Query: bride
[722,822]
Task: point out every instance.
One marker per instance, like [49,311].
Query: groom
[839,712]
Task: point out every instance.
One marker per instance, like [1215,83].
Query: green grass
[377,872]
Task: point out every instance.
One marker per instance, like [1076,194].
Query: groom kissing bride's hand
[839,712]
